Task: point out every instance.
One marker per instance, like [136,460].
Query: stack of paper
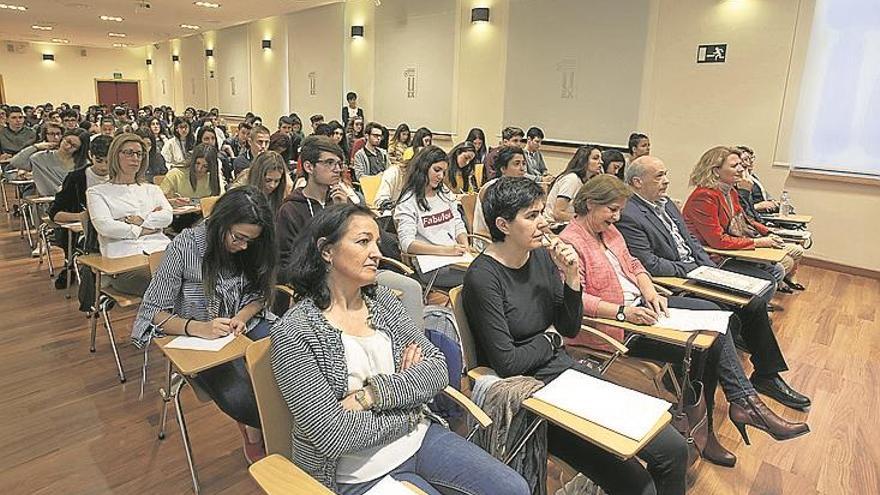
[389,486]
[692,320]
[430,262]
[795,234]
[738,282]
[200,344]
[628,412]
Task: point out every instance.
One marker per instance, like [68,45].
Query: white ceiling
[79,20]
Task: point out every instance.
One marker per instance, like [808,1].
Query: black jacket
[72,196]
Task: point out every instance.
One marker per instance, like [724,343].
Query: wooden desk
[710,293]
[803,219]
[189,363]
[276,475]
[677,337]
[186,210]
[610,441]
[764,255]
[114,266]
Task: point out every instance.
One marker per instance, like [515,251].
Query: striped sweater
[308,359]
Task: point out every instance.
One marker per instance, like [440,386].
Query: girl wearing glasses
[128,213]
[216,279]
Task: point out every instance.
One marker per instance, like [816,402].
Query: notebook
[430,262]
[693,320]
[736,282]
[200,344]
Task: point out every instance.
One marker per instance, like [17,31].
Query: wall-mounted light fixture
[149,61]
[175,58]
[49,57]
[357,31]
[267,44]
[209,52]
[480,14]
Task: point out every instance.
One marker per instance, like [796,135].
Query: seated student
[159,131]
[713,214]
[511,162]
[371,159]
[427,216]
[460,178]
[657,236]
[519,307]
[156,160]
[215,279]
[208,135]
[639,145]
[128,213]
[285,126]
[268,173]
[398,144]
[258,142]
[15,136]
[201,178]
[177,149]
[584,165]
[50,138]
[354,130]
[478,137]
[356,373]
[297,128]
[316,120]
[510,136]
[421,138]
[69,119]
[234,145]
[51,166]
[755,192]
[351,110]
[537,169]
[336,131]
[617,286]
[613,161]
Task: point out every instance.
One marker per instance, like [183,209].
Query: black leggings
[229,385]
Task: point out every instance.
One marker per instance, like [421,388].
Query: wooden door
[113,93]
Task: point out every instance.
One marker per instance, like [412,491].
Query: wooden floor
[69,427]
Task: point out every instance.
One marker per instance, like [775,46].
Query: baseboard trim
[840,267]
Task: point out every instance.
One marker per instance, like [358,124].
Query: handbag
[690,419]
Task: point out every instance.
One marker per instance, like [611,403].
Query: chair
[370,187]
[207,204]
[469,205]
[277,423]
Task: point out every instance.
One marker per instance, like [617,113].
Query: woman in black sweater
[516,303]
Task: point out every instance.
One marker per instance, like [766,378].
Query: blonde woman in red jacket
[713,214]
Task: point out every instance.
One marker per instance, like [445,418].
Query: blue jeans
[447,464]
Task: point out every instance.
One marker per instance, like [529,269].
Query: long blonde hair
[705,172]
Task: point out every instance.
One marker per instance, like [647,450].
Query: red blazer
[708,217]
[598,280]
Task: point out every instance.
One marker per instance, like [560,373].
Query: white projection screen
[577,75]
[837,121]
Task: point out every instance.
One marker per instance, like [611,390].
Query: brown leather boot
[751,411]
[715,453]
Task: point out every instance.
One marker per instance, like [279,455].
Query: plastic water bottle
[785,208]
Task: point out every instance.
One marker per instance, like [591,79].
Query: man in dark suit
[656,234]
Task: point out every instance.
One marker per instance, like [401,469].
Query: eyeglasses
[240,239]
[331,163]
[376,135]
[132,154]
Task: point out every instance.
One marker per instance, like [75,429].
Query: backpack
[441,330]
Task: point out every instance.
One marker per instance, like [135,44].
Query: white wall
[316,50]
[192,68]
[232,54]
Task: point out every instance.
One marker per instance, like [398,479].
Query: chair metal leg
[109,328]
[5,198]
[184,435]
[165,393]
[27,217]
[522,441]
[93,316]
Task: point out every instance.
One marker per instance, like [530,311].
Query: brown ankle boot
[715,453]
[751,411]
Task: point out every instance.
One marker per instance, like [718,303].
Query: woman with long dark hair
[356,372]
[459,178]
[398,143]
[216,279]
[584,165]
[478,137]
[427,216]
[176,150]
[421,138]
[268,173]
[156,160]
[199,179]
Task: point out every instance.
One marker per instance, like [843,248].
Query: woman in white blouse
[127,212]
[177,149]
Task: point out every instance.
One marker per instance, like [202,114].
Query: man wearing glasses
[371,159]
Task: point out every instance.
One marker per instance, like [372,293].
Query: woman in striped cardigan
[356,374]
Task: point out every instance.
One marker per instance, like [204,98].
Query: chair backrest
[468,345]
[469,205]
[90,235]
[478,173]
[207,204]
[157,179]
[370,187]
[274,414]
[155,259]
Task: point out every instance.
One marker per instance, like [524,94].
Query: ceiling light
[207,5]
[120,45]
[116,35]
[190,26]
[12,7]
[111,18]
[60,40]
[39,27]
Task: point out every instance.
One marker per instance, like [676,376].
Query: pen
[547,238]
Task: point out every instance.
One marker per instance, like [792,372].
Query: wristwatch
[620,316]
[361,397]
[555,339]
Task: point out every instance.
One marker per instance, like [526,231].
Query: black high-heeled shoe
[793,285]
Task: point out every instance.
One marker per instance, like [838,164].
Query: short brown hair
[601,190]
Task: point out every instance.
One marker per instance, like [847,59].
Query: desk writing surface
[276,475]
[677,337]
[766,255]
[789,218]
[703,290]
[190,362]
[185,210]
[39,200]
[75,227]
[608,440]
[114,266]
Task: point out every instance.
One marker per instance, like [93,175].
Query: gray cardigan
[308,360]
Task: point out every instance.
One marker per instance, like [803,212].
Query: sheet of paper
[430,262]
[388,486]
[797,234]
[692,320]
[200,344]
[625,411]
[730,280]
